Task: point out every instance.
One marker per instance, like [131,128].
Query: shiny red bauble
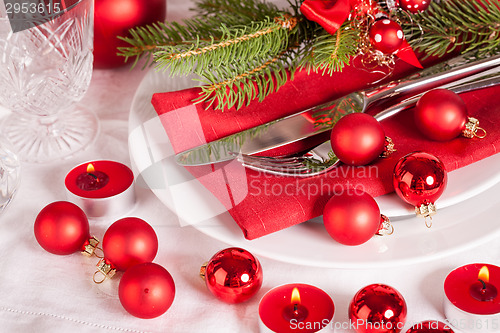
[386,36]
[146,290]
[414,6]
[128,242]
[419,178]
[352,218]
[233,275]
[62,228]
[357,139]
[430,326]
[440,115]
[114,18]
[378,308]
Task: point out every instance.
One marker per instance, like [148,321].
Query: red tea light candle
[296,308]
[472,303]
[101,188]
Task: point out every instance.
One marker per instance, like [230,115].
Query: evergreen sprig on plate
[246,50]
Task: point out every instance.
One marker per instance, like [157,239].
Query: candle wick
[92,175]
[295,308]
[483,283]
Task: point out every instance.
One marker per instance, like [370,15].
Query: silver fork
[321,159]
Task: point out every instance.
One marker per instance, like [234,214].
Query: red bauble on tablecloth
[146,290]
[352,217]
[128,242]
[115,18]
[419,179]
[233,275]
[440,115]
[357,139]
[62,228]
[378,308]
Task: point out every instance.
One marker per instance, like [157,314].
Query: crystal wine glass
[44,70]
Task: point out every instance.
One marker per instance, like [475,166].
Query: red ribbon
[331,14]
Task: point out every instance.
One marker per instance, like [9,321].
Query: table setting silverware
[321,159]
[393,96]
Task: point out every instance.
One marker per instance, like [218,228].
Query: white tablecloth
[41,292]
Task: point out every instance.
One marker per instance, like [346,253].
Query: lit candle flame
[295,296]
[484,274]
[90,168]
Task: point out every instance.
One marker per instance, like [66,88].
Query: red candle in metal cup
[101,188]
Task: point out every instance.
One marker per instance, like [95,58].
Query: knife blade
[303,124]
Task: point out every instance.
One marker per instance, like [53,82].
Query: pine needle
[456,24]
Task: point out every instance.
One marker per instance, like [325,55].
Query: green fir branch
[238,46]
[241,87]
[145,41]
[246,10]
[330,53]
[211,15]
[246,49]
[456,25]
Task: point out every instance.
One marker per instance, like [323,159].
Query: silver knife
[302,125]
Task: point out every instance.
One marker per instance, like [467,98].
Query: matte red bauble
[233,275]
[386,36]
[440,115]
[357,139]
[146,290]
[414,6]
[353,218]
[62,228]
[114,18]
[419,179]
[378,308]
[128,242]
[430,326]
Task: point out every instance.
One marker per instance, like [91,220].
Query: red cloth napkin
[261,203]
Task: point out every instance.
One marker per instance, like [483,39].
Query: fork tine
[270,163]
[269,158]
[279,171]
[275,166]
[315,162]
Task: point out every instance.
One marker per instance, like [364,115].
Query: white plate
[454,229]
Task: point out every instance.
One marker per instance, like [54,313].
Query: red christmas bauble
[386,36]
[440,115]
[352,218]
[378,308]
[419,178]
[414,6]
[128,242]
[233,275]
[357,139]
[62,228]
[146,290]
[430,326]
[114,18]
